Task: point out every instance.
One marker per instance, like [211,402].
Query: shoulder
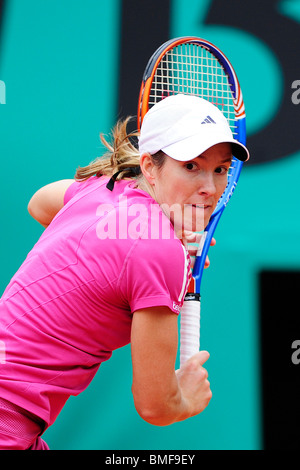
[78,186]
[166,258]
[157,273]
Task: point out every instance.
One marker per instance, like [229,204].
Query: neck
[143,184]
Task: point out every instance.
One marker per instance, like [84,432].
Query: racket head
[190,65]
[194,66]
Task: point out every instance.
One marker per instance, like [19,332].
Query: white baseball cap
[184,126]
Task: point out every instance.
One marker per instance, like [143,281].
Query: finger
[192,250]
[192,237]
[200,357]
[207,263]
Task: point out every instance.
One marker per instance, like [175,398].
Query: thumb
[198,359]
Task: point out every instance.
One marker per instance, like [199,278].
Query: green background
[60,63]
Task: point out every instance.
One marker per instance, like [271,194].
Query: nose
[207,186]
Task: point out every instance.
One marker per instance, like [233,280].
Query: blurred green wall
[59,61]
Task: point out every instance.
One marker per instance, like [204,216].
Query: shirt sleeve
[157,274]
[75,188]
[71,191]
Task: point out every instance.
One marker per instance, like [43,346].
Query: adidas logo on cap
[208,120]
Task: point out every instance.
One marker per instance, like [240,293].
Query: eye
[190,166]
[222,170]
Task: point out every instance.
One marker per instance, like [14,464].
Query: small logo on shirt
[176,307]
[2,352]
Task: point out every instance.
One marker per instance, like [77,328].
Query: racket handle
[189,327]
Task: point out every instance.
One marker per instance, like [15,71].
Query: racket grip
[189,327]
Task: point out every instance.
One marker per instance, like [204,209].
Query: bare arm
[161,395]
[47,201]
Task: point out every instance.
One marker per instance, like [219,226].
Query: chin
[206,221]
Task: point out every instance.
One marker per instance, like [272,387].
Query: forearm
[168,406]
[161,395]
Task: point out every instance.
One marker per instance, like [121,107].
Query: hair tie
[136,170]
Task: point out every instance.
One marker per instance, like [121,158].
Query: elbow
[36,213]
[30,208]
[154,413]
[152,417]
[33,206]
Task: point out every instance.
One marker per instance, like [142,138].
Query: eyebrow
[225,159]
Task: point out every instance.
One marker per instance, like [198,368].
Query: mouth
[196,216]
[201,206]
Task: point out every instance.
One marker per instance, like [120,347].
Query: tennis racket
[193,66]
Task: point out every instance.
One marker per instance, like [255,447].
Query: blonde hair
[122,156]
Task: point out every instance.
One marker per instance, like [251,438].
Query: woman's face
[188,192]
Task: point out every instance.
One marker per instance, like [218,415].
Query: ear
[147,167]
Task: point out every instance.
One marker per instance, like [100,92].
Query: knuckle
[203,374]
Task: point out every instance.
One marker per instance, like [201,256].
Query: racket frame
[193,297]
[155,59]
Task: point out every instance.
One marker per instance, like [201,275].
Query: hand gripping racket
[193,66]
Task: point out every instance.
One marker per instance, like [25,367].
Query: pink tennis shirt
[104,256]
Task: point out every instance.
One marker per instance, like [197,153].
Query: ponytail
[122,158]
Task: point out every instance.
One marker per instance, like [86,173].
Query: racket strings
[192,69]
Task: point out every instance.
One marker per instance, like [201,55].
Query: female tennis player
[111,268]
